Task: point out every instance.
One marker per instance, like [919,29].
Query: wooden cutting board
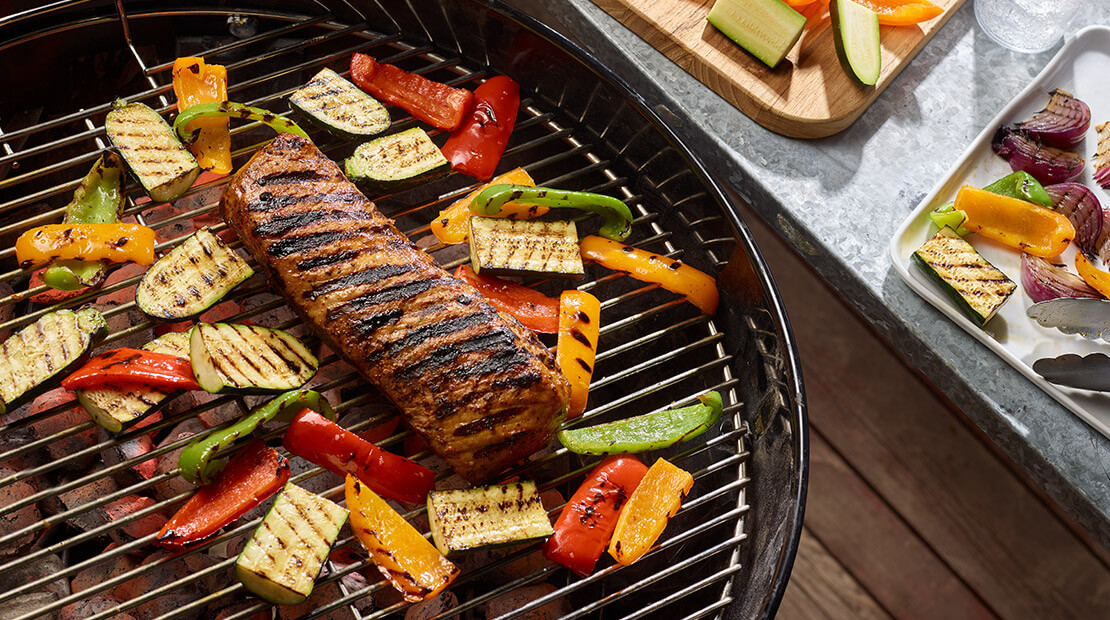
[807,96]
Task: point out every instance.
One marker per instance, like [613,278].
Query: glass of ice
[1028,26]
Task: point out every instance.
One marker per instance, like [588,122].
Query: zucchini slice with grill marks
[36,358]
[396,161]
[502,514]
[977,287]
[248,359]
[281,561]
[163,165]
[338,106]
[191,277]
[506,247]
[113,409]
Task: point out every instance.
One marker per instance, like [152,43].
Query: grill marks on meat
[479,388]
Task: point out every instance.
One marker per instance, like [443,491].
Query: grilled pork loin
[479,388]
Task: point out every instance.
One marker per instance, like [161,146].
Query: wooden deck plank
[821,588]
[992,531]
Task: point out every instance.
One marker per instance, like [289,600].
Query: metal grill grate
[655,349]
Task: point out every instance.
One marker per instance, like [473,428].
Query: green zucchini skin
[281,561]
[248,359]
[977,287]
[114,409]
[191,278]
[508,247]
[162,165]
[37,357]
[496,515]
[339,107]
[396,161]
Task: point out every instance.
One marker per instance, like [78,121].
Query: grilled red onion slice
[1082,208]
[1043,281]
[1062,123]
[1102,156]
[1047,164]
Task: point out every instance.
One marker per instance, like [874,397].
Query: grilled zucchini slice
[396,161]
[340,107]
[248,359]
[36,358]
[281,561]
[191,278]
[977,287]
[502,514]
[113,409]
[507,247]
[159,161]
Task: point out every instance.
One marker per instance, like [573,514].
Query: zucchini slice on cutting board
[248,359]
[114,408]
[396,161]
[338,106]
[191,278]
[37,357]
[502,514]
[163,165]
[507,247]
[977,287]
[281,561]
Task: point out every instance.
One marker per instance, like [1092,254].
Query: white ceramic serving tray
[1082,68]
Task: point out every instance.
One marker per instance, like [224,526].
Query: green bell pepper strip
[618,218]
[651,431]
[277,122]
[1020,185]
[197,462]
[98,199]
[948,215]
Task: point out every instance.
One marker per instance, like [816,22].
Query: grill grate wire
[558,155]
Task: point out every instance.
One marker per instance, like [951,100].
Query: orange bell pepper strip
[113,243]
[677,277]
[579,321]
[408,561]
[902,12]
[1097,278]
[195,82]
[249,478]
[645,516]
[452,225]
[1015,222]
[533,309]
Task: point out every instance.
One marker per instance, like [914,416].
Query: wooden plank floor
[911,513]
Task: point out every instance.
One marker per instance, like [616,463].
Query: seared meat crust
[479,388]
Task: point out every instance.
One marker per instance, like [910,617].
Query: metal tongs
[1089,318]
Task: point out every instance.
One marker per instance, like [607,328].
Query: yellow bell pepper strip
[617,216]
[1015,222]
[276,122]
[113,243]
[651,431]
[195,82]
[1097,278]
[645,516]
[677,277]
[579,321]
[452,224]
[408,561]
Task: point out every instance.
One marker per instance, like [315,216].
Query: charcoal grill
[727,554]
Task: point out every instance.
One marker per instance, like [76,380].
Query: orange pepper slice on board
[1097,278]
[1015,222]
[902,12]
[675,276]
[579,323]
[114,243]
[452,225]
[647,512]
[196,82]
[408,561]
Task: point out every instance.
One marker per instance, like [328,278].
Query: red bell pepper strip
[124,366]
[314,438]
[586,523]
[533,309]
[476,145]
[249,478]
[437,104]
